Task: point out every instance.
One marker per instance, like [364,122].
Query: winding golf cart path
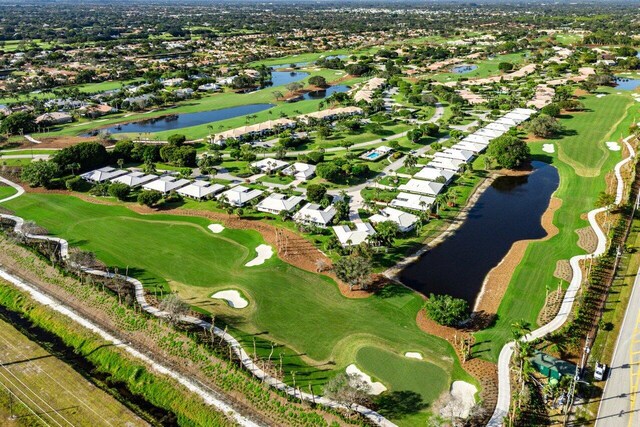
[504,386]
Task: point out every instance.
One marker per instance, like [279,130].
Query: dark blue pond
[509,210]
[463,69]
[179,121]
[279,78]
[626,83]
[321,94]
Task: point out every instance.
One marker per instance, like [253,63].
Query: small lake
[279,78]
[321,94]
[179,121]
[463,69]
[509,210]
[625,83]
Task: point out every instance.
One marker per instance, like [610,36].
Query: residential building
[276,203]
[419,186]
[199,190]
[134,179]
[103,174]
[268,165]
[300,171]
[239,196]
[405,221]
[315,215]
[414,202]
[352,237]
[165,184]
[435,174]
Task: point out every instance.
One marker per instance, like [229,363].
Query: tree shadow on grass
[391,290]
[399,404]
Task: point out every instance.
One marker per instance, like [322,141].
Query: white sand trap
[216,228]
[461,400]
[601,95]
[548,148]
[376,388]
[233,298]
[264,253]
[413,355]
[613,146]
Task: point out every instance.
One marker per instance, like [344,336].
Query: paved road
[619,406]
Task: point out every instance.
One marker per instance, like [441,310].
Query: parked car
[600,372]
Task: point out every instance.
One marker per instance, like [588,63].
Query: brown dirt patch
[341,79]
[587,239]
[551,308]
[521,171]
[580,92]
[58,142]
[533,138]
[563,270]
[499,277]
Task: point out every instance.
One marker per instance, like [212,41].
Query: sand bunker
[233,298]
[613,146]
[216,228]
[461,400]
[264,253]
[548,148]
[413,355]
[376,388]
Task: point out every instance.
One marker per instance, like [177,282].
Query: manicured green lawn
[6,191]
[320,331]
[525,296]
[486,68]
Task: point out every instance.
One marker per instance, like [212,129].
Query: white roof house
[269,165]
[315,214]
[489,133]
[419,186]
[435,174]
[498,126]
[474,147]
[452,153]
[518,118]
[446,163]
[103,174]
[134,179]
[240,195]
[200,190]
[523,111]
[165,184]
[276,203]
[507,121]
[415,202]
[478,139]
[406,221]
[348,237]
[299,170]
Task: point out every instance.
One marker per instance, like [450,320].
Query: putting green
[318,330]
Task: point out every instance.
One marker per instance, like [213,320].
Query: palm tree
[410,161]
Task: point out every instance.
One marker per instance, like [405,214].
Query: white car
[601,370]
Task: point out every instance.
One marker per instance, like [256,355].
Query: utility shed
[552,367]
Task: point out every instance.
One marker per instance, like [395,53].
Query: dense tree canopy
[509,151]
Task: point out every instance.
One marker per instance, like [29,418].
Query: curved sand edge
[231,297]
[216,228]
[376,387]
[264,253]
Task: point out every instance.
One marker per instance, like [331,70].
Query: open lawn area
[217,101]
[582,150]
[52,388]
[486,68]
[318,331]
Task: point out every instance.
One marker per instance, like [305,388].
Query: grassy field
[52,388]
[6,191]
[318,330]
[606,120]
[486,68]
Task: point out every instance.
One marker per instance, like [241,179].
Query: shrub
[149,198]
[40,173]
[82,157]
[446,310]
[119,190]
[76,184]
[176,139]
[316,192]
